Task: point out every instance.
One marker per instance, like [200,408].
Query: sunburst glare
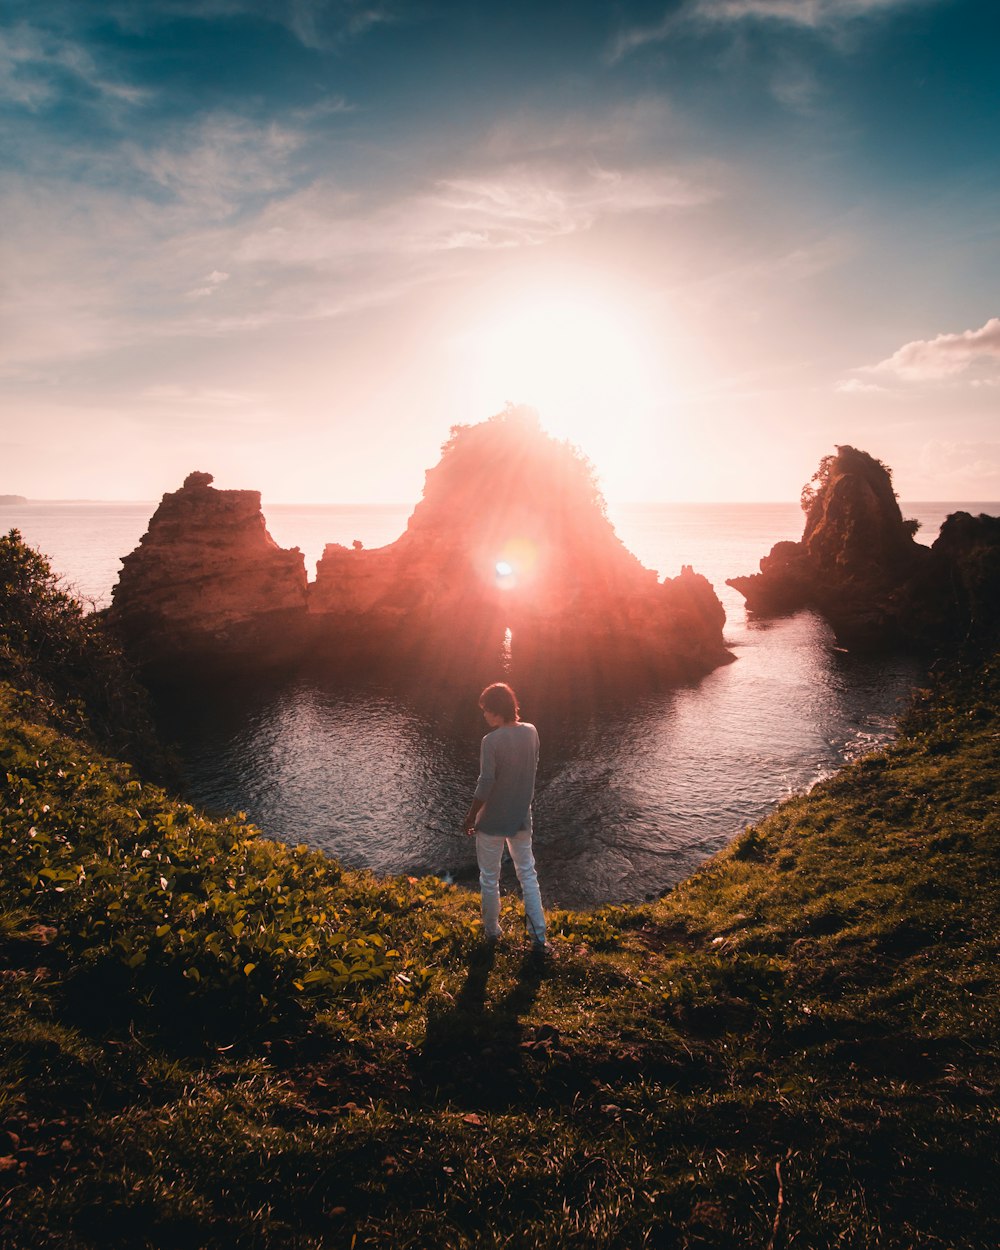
[580,357]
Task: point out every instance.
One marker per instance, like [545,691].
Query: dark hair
[500,700]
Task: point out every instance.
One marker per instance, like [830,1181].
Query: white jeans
[489,852]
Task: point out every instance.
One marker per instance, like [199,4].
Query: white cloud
[177,398]
[647,122]
[210,284]
[329,106]
[516,206]
[21,81]
[813,258]
[826,15]
[170,392]
[627,41]
[315,23]
[795,86]
[854,386]
[69,258]
[90,270]
[944,356]
[32,62]
[521,205]
[959,462]
[812,13]
[212,167]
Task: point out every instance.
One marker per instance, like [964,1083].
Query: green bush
[158,913]
[51,647]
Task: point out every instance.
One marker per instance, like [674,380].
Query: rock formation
[511,541]
[858,564]
[963,600]
[508,564]
[208,580]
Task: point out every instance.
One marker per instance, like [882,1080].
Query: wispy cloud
[37,66]
[326,251]
[944,356]
[314,23]
[517,206]
[813,13]
[960,462]
[854,386]
[795,86]
[329,106]
[214,256]
[210,285]
[175,396]
[634,37]
[214,166]
[819,15]
[522,205]
[73,259]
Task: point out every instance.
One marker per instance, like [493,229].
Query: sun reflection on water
[505,651]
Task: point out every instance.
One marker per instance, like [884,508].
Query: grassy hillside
[209,1039]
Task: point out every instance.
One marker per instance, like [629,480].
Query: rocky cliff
[508,564]
[208,580]
[858,564]
[964,595]
[510,555]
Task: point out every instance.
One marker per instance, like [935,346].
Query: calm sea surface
[628,802]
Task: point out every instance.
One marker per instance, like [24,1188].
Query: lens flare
[513,565]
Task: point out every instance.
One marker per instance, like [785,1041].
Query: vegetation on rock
[857,564]
[67,660]
[511,535]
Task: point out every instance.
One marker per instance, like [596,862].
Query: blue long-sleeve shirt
[508,758]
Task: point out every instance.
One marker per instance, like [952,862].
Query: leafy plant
[65,657]
[187,923]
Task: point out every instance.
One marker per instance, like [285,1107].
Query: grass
[213,1040]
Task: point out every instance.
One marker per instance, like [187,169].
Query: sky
[292,244]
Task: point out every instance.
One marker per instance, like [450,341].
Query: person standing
[500,812]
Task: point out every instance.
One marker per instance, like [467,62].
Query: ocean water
[629,800]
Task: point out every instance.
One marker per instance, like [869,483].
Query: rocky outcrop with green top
[508,566]
[859,565]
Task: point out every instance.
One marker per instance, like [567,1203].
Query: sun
[580,357]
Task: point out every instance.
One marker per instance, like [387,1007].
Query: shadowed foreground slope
[212,1040]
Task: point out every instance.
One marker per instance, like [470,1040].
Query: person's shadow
[473,1051]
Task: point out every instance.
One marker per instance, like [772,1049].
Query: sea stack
[508,566]
[858,564]
[208,582]
[510,557]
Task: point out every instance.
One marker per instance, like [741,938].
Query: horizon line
[368,503]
